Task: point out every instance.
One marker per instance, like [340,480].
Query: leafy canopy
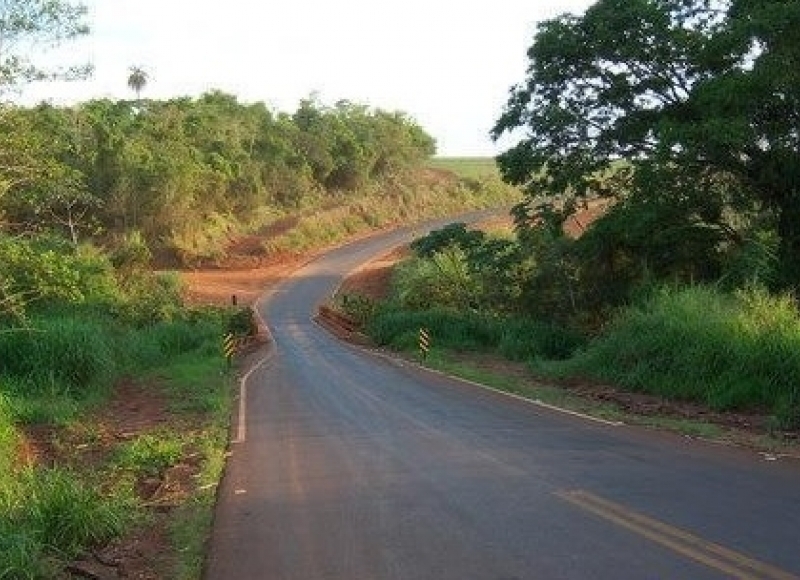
[701,97]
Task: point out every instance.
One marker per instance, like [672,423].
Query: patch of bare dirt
[135,408]
[219,285]
[372,279]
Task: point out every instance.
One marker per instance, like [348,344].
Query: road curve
[355,467]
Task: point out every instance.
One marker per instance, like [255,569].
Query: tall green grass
[47,513]
[74,353]
[730,351]
[517,339]
[9,438]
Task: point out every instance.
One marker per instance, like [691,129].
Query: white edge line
[400,362]
[241,426]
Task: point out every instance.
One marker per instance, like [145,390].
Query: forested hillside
[185,174]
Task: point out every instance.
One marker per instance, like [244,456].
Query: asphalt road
[349,466]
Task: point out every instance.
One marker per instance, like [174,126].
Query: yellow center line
[708,553]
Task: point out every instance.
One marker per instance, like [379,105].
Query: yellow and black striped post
[229,347]
[424,343]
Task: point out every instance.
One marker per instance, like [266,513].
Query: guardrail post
[228,347]
[424,342]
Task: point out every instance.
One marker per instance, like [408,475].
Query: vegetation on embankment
[730,350]
[418,197]
[74,475]
[190,175]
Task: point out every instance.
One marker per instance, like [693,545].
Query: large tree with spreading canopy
[697,101]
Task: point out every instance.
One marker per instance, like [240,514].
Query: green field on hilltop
[468,167]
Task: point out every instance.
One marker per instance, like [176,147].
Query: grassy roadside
[611,405]
[696,360]
[103,473]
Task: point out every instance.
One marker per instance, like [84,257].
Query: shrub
[149,297]
[242,323]
[359,308]
[443,280]
[455,234]
[49,270]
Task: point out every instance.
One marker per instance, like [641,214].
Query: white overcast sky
[447,63]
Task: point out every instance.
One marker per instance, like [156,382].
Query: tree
[699,96]
[137,80]
[30,27]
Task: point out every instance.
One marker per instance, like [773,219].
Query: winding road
[348,465]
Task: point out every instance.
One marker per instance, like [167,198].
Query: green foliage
[490,275]
[525,339]
[188,174]
[68,356]
[131,254]
[359,308]
[48,512]
[455,234]
[149,297]
[242,322]
[754,262]
[442,280]
[694,96]
[447,327]
[737,351]
[515,338]
[149,455]
[12,304]
[76,353]
[8,436]
[48,270]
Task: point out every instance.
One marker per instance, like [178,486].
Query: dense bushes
[46,269]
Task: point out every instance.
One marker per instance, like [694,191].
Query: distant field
[473,167]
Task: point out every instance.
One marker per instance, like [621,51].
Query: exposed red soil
[135,408]
[219,285]
[372,279]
